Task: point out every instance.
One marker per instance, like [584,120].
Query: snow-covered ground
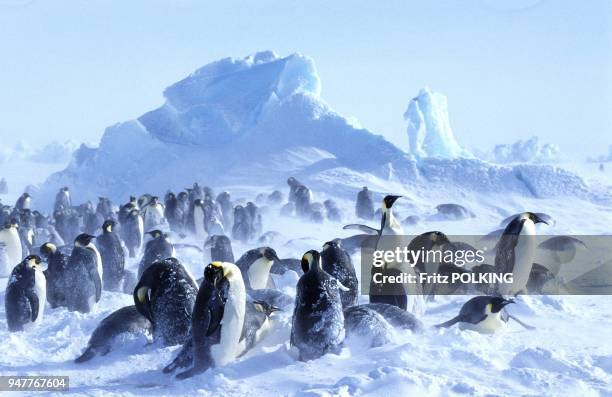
[570,352]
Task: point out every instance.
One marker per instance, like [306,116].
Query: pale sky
[510,69]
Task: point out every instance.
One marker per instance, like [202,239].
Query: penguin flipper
[34,305]
[526,326]
[364,228]
[450,322]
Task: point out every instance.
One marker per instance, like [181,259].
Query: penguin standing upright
[133,232]
[156,249]
[406,296]
[23,202]
[303,201]
[62,199]
[294,184]
[9,237]
[218,249]
[196,219]
[173,213]
[516,251]
[113,257]
[25,294]
[318,319]
[241,230]
[225,204]
[154,214]
[165,294]
[84,275]
[55,274]
[337,262]
[364,208]
[218,321]
[213,222]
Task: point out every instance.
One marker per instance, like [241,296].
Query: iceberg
[528,151]
[429,130]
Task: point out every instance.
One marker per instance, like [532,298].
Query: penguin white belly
[141,231]
[230,346]
[98,261]
[259,272]
[40,284]
[491,324]
[524,256]
[198,218]
[11,239]
[5,267]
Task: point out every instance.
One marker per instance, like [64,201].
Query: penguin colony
[220,316]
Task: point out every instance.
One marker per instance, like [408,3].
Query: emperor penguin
[62,199]
[484,314]
[408,296]
[133,232]
[173,213]
[23,202]
[516,251]
[218,248]
[55,274]
[158,248]
[364,207]
[84,276]
[196,219]
[166,294]
[112,255]
[318,320]
[337,262]
[154,214]
[293,186]
[227,209]
[255,266]
[218,319]
[124,322]
[9,237]
[25,294]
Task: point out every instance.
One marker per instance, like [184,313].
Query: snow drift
[527,151]
[261,119]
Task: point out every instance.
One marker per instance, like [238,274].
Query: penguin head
[268,253]
[229,271]
[437,237]
[108,225]
[198,203]
[13,223]
[32,261]
[388,201]
[83,240]
[142,299]
[311,260]
[535,218]
[334,244]
[65,189]
[498,303]
[214,272]
[291,181]
[48,249]
[155,233]
[265,308]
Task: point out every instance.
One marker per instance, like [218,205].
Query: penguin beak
[537,219]
[143,304]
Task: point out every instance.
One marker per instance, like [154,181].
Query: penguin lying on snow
[318,320]
[218,322]
[25,295]
[484,314]
[255,266]
[166,294]
[123,322]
